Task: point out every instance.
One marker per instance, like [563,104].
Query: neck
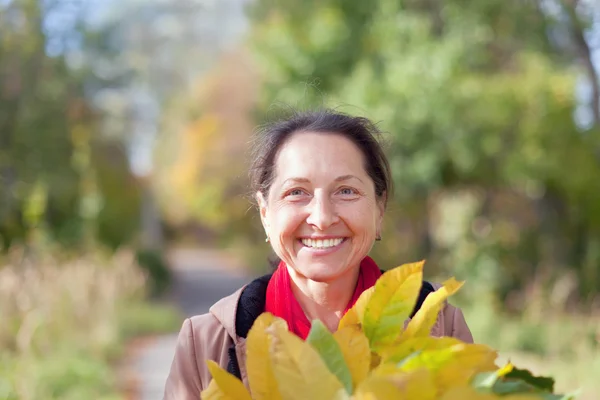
[325,301]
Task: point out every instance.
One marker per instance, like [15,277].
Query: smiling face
[321,213]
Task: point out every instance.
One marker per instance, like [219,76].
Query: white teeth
[322,244]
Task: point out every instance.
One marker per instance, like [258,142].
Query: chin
[321,272]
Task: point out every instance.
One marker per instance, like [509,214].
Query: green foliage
[565,348]
[118,219]
[52,178]
[148,318]
[474,99]
[155,265]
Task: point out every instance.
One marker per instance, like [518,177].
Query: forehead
[317,154]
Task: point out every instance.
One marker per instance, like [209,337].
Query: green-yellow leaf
[452,366]
[323,341]
[299,369]
[392,302]
[424,319]
[224,385]
[469,393]
[388,382]
[377,387]
[354,346]
[355,315]
[401,349]
[486,380]
[468,362]
[261,377]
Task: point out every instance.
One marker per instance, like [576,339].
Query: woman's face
[321,214]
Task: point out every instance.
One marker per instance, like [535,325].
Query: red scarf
[282,303]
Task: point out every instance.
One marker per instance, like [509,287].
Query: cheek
[286,222]
[361,220]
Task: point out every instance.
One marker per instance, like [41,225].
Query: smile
[322,243]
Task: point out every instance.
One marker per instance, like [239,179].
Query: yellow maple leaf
[224,386]
[261,377]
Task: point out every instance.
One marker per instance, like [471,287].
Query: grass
[65,324]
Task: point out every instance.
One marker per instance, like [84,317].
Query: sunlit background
[124,135]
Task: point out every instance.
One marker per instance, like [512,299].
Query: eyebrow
[338,179]
[346,178]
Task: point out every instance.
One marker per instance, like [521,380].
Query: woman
[322,182]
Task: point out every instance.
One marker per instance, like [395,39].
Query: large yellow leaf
[466,363]
[323,341]
[424,319]
[377,387]
[468,393]
[452,366]
[261,377]
[401,349]
[390,383]
[355,349]
[392,302]
[355,315]
[214,392]
[224,386]
[299,369]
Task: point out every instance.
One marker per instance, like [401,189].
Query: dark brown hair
[361,131]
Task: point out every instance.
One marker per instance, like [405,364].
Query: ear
[381,211]
[262,207]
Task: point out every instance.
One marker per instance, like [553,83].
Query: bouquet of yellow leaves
[371,356]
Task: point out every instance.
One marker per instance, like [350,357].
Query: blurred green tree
[58,178]
[478,100]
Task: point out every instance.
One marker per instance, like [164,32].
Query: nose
[322,213]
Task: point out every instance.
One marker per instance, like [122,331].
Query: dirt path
[201,277]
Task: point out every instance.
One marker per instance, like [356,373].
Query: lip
[323,237]
[322,252]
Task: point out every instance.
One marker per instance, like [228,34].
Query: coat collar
[225,310]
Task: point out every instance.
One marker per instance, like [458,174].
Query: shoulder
[200,338]
[202,324]
[452,320]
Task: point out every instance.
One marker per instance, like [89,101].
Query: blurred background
[124,136]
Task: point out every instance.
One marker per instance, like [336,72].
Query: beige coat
[209,336]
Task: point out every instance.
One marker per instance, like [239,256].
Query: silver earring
[267,240]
